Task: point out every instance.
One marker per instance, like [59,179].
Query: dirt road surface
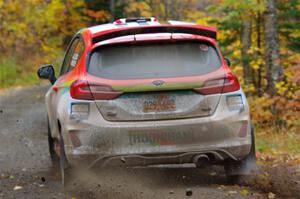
[26,170]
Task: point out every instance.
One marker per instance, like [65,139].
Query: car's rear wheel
[58,155]
[235,171]
[65,168]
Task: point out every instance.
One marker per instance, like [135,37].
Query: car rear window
[154,60]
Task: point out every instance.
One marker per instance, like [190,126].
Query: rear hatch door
[159,80]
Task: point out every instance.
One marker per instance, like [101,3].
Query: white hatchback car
[137,92]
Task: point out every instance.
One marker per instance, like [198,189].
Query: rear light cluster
[83,90]
[222,85]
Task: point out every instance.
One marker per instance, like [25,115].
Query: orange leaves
[137,9]
[277,110]
[99,16]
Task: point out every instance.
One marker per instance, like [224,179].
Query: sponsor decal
[156,137]
[203,47]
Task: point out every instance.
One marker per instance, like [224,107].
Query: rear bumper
[216,156]
[226,134]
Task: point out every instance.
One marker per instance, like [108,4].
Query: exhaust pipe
[201,161]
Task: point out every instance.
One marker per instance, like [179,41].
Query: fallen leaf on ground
[271,195]
[17,187]
[245,192]
[232,192]
[221,187]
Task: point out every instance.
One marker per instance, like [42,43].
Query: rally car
[138,92]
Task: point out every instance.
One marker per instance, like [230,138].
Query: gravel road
[26,170]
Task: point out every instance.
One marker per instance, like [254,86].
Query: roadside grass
[276,139]
[15,74]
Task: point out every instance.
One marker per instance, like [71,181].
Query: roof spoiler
[188,29]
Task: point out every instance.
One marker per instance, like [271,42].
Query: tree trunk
[259,71]
[112,9]
[272,59]
[166,3]
[246,44]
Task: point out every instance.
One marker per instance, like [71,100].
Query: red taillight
[211,87]
[222,85]
[88,91]
[231,83]
[81,90]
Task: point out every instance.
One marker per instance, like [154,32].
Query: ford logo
[158,82]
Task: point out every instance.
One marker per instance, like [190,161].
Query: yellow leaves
[295,34]
[46,48]
[234,47]
[38,23]
[236,54]
[54,8]
[245,192]
[204,21]
[238,70]
[249,88]
[138,9]
[221,36]
[254,50]
[281,88]
[255,64]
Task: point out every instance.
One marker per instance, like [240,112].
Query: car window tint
[72,56]
[154,60]
[67,59]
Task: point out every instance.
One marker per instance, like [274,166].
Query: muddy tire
[238,170]
[65,176]
[53,155]
[65,168]
[59,161]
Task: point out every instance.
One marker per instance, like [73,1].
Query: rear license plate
[160,103]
